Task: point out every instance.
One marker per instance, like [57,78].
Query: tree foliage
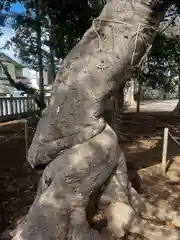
[61,29]
[163,65]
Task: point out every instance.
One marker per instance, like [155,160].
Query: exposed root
[59,210]
[122,218]
[127,211]
[65,199]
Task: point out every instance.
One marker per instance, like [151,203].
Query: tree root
[127,211]
[59,210]
[122,218]
[78,178]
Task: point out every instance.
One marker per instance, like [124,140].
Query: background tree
[161,67]
[161,70]
[133,90]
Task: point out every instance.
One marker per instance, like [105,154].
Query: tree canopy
[61,29]
[162,67]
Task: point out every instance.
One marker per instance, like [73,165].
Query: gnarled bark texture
[84,160]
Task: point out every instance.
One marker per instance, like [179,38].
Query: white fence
[11,106]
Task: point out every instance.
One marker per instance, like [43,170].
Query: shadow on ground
[17,180]
[142,144]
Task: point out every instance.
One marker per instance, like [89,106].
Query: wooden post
[164,153]
[26,137]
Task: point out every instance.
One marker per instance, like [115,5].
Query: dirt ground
[143,148]
[142,144]
[17,180]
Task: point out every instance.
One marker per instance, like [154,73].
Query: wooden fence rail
[14,106]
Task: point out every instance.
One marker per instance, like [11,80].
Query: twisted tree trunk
[86,167]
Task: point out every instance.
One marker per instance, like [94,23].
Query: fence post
[164,152]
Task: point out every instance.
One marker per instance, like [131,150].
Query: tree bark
[81,150]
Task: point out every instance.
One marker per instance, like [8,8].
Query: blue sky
[17,7]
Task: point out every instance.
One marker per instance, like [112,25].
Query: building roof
[12,60]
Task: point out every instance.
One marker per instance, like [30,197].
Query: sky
[17,7]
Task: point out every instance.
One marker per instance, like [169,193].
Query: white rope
[135,45]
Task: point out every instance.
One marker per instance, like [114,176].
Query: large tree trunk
[86,166]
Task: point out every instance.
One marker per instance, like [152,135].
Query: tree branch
[23,87]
